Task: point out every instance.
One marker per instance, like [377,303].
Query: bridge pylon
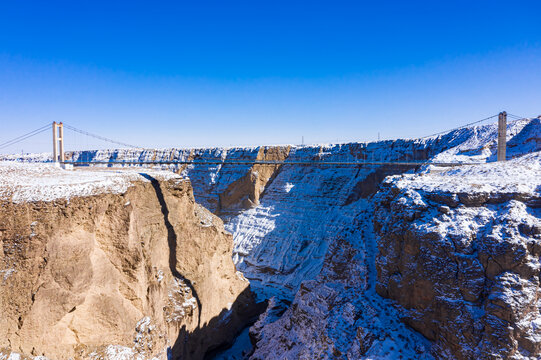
[58,142]
[502,136]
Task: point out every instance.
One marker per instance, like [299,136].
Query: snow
[513,292]
[143,343]
[39,157]
[288,187]
[117,352]
[482,243]
[289,239]
[24,182]
[520,175]
[160,276]
[283,240]
[479,143]
[17,356]
[6,273]
[341,306]
[181,301]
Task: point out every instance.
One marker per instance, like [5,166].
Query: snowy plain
[28,182]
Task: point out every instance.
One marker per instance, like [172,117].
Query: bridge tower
[58,142]
[502,136]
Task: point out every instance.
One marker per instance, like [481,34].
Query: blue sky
[260,72]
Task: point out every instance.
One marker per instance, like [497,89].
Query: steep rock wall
[148,267]
[459,251]
[291,235]
[245,192]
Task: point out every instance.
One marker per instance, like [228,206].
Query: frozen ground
[289,240]
[44,182]
[519,175]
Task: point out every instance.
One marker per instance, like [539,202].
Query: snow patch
[24,182]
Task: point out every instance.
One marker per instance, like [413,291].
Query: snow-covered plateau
[459,253]
[380,261]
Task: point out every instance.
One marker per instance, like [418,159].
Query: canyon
[307,262]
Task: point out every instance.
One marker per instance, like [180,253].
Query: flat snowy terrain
[520,175]
[21,182]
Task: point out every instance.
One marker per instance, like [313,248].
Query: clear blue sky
[218,73]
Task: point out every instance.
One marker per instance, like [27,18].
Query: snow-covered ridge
[520,175]
[459,252]
[469,144]
[44,182]
[288,244]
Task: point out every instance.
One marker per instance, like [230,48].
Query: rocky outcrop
[286,235]
[145,272]
[459,252]
[244,193]
[338,315]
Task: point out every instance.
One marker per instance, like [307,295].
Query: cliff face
[459,251]
[245,192]
[338,315]
[305,238]
[143,271]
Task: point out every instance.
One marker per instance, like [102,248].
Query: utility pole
[502,136]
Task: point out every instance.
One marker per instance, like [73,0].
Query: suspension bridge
[59,150]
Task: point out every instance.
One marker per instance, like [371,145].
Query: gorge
[324,262]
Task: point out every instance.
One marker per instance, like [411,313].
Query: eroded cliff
[459,251]
[305,238]
[121,263]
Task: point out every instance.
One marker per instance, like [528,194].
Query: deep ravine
[312,241]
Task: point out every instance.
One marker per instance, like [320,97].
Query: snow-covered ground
[290,238]
[459,252]
[339,314]
[519,175]
[21,182]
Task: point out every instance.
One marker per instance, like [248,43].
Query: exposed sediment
[459,252]
[305,238]
[146,271]
[244,193]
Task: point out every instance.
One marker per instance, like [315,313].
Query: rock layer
[464,264]
[286,235]
[148,267]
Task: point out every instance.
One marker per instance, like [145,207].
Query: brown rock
[84,274]
[473,287]
[246,191]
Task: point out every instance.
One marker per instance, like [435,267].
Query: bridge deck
[261,162]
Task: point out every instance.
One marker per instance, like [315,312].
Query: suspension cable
[460,127]
[100,137]
[516,117]
[25,136]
